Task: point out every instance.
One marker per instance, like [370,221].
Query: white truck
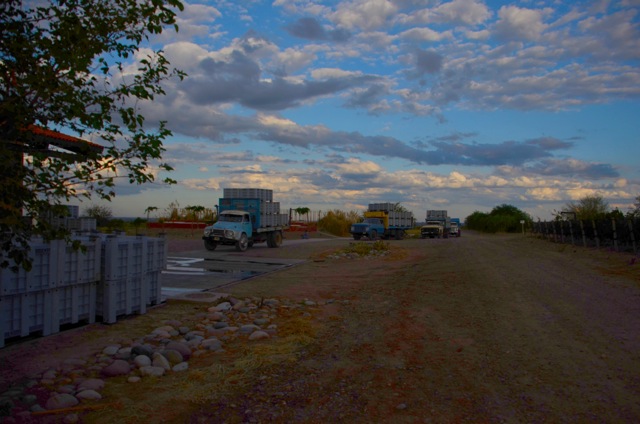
[438,224]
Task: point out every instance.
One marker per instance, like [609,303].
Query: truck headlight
[208,231]
[229,234]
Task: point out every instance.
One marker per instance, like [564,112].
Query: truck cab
[371,228]
[234,227]
[432,229]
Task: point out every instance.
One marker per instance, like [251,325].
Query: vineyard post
[584,238]
[595,233]
[615,234]
[633,237]
[571,233]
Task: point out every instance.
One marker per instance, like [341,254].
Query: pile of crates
[263,194]
[112,276]
[270,215]
[131,268]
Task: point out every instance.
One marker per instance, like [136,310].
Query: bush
[338,223]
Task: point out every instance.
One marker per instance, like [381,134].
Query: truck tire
[357,236]
[243,243]
[373,235]
[274,239]
[210,245]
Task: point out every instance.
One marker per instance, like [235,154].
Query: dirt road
[483,328]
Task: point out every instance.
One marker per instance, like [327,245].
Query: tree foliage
[338,222]
[635,211]
[502,218]
[588,208]
[303,210]
[67,65]
[102,214]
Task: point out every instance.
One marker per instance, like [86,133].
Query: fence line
[617,234]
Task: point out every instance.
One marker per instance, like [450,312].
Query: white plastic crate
[123,256]
[43,274]
[248,193]
[74,304]
[156,254]
[125,296]
[24,314]
[154,287]
[77,266]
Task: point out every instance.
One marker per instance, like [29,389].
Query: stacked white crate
[156,262]
[122,288]
[263,194]
[79,275]
[131,270]
[270,215]
[381,207]
[57,290]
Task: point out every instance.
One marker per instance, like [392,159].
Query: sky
[461,105]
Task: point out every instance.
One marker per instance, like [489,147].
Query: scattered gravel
[163,351]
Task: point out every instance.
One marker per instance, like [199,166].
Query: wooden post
[633,237]
[584,237]
[571,233]
[615,234]
[553,227]
[595,234]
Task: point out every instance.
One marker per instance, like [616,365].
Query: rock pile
[165,350]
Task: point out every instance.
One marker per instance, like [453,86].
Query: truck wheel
[275,239]
[357,236]
[243,243]
[373,235]
[210,245]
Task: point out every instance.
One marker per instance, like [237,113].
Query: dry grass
[210,378]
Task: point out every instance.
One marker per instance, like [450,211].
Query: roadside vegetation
[501,219]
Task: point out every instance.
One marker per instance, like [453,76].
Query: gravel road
[482,328]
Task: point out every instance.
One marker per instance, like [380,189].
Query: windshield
[230,218]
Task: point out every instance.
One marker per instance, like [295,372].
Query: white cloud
[363,14]
[517,23]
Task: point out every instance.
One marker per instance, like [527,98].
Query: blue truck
[244,221]
[455,231]
[382,221]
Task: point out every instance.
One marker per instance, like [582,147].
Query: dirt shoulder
[477,329]
[482,328]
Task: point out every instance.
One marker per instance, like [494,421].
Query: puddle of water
[236,273]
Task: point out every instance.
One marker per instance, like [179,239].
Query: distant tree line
[502,219]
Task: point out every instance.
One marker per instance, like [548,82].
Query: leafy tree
[63,66]
[636,211]
[149,210]
[196,211]
[338,222]
[502,218]
[398,207]
[102,214]
[588,207]
[303,211]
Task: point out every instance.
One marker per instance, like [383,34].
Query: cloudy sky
[460,105]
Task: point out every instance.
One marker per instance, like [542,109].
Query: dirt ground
[482,328]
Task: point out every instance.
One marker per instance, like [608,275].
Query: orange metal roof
[65,141]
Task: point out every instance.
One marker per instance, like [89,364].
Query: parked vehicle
[438,225]
[245,217]
[455,228]
[380,220]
